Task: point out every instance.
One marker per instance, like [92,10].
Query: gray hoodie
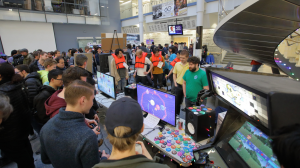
[136,161]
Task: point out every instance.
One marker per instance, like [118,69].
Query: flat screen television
[157,103]
[106,84]
[253,146]
[175,29]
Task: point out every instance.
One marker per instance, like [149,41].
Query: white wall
[30,35]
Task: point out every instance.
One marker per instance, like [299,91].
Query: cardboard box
[111,42]
[38,6]
[89,65]
[27,4]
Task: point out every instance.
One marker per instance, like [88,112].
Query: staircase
[236,59]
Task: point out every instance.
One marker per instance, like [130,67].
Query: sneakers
[32,137]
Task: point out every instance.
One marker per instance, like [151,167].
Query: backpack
[18,61]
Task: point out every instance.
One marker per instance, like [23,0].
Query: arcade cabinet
[258,104]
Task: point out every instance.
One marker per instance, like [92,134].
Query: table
[150,137]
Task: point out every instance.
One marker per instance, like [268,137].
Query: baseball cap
[124,112]
[24,50]
[3,55]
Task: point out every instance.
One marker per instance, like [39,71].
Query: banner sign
[170,9]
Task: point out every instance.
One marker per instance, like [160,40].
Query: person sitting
[118,69]
[141,66]
[49,65]
[40,117]
[285,146]
[124,123]
[66,141]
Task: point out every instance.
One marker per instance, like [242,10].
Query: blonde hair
[139,52]
[122,144]
[49,61]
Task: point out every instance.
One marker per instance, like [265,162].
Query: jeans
[122,84]
[189,103]
[255,68]
[19,151]
[159,78]
[179,98]
[141,79]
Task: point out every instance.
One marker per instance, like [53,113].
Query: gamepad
[138,148]
[93,125]
[203,158]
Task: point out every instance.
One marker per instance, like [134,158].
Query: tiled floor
[36,143]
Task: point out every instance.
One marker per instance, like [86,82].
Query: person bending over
[66,141]
[158,62]
[119,69]
[49,65]
[141,62]
[124,123]
[40,117]
[194,80]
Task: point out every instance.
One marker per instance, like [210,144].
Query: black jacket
[17,59]
[33,67]
[32,84]
[38,103]
[16,127]
[62,69]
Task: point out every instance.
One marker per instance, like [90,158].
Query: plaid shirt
[41,67]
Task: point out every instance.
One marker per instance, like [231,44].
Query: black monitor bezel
[162,92]
[175,34]
[114,86]
[211,86]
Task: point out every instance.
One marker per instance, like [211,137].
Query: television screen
[245,100]
[106,84]
[157,103]
[253,146]
[175,29]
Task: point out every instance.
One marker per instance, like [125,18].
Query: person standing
[152,46]
[40,117]
[49,64]
[166,49]
[36,55]
[191,50]
[56,54]
[14,130]
[60,63]
[176,47]
[144,48]
[255,65]
[172,57]
[158,62]
[38,65]
[194,80]
[28,58]
[185,47]
[172,44]
[141,67]
[68,131]
[179,70]
[119,69]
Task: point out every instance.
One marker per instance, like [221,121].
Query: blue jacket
[66,141]
[172,57]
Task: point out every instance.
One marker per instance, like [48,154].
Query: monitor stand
[162,125]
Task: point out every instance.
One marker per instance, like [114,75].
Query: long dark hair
[7,73]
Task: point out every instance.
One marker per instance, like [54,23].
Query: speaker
[199,125]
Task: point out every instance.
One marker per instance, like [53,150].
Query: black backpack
[18,60]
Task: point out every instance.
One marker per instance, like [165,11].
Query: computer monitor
[157,103]
[106,84]
[244,99]
[253,146]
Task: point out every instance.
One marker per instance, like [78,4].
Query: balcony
[54,11]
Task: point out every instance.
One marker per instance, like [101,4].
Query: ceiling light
[9,9]
[121,1]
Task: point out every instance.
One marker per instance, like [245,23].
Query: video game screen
[106,84]
[157,103]
[254,147]
[248,102]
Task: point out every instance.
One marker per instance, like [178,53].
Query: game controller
[93,125]
[203,158]
[138,148]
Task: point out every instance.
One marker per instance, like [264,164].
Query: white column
[200,16]
[141,20]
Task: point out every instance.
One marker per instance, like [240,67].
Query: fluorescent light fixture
[126,2]
[9,9]
[96,13]
[121,1]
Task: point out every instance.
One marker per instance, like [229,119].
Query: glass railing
[74,7]
[130,8]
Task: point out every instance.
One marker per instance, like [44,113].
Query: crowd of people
[53,95]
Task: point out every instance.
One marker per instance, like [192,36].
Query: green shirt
[195,81]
